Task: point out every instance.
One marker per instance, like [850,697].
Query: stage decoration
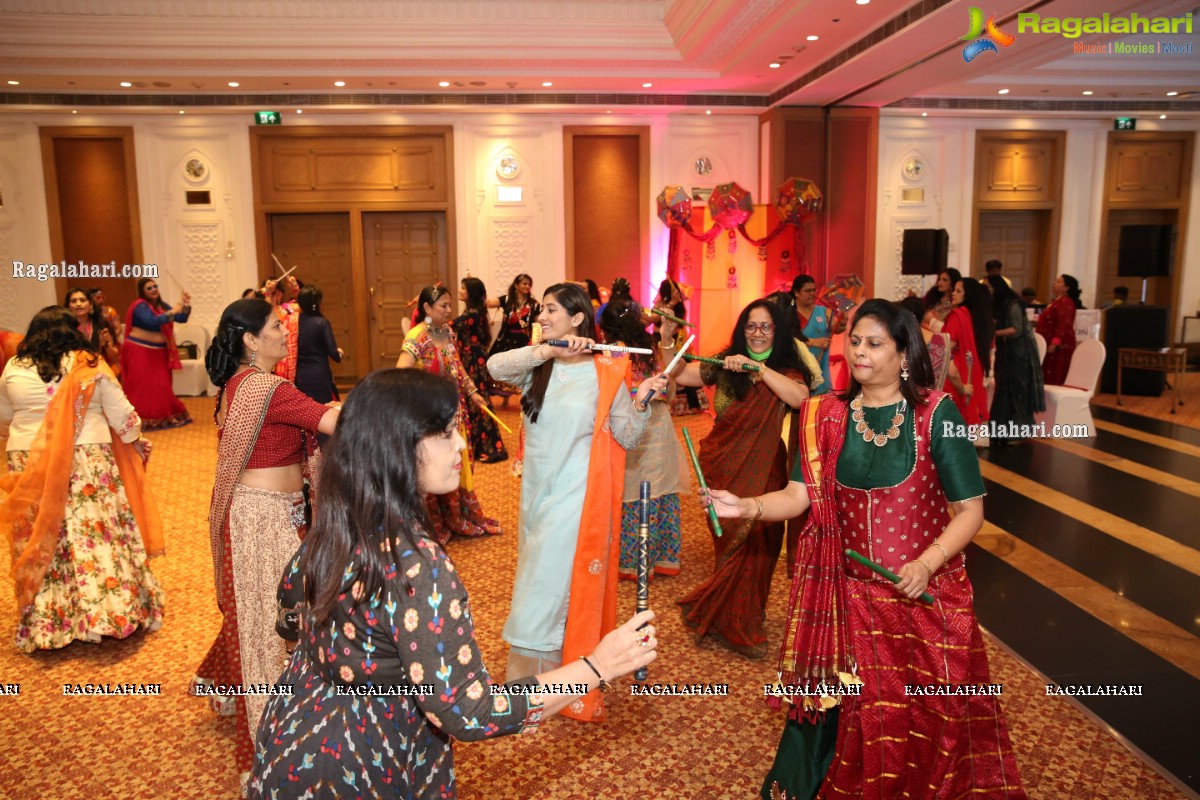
[675,207]
[842,293]
[798,201]
[730,206]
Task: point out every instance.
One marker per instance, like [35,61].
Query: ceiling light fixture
[774,65]
[1169,94]
[443,84]
[1162,116]
[233,84]
[1089,94]
[339,83]
[863,2]
[812,38]
[126,84]
[924,113]
[547,84]
[1003,91]
[708,111]
[14,83]
[299,110]
[647,85]
[74,111]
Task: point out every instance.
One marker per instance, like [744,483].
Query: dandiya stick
[499,421]
[676,320]
[643,562]
[712,512]
[719,362]
[881,570]
[671,366]
[611,348]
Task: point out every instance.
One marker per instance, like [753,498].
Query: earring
[904,370]
[253,355]
[428,320]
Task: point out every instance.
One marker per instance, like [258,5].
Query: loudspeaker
[1144,327]
[924,251]
[1145,251]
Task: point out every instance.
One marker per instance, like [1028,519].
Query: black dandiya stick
[643,563]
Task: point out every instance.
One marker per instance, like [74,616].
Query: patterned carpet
[171,746]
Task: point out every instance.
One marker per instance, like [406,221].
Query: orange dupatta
[592,608]
[35,504]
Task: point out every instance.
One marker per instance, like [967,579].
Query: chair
[192,380]
[1068,404]
[1041,346]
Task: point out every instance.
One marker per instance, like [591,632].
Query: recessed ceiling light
[443,84]
[1169,94]
[863,2]
[547,83]
[774,65]
[812,38]
[126,84]
[339,83]
[647,85]
[1162,116]
[233,84]
[924,113]
[1003,91]
[1088,94]
[181,111]
[608,112]
[74,111]
[708,111]
[299,110]
[14,83]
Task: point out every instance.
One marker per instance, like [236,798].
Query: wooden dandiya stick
[611,348]
[719,362]
[673,318]
[671,366]
[881,570]
[491,414]
[643,563]
[712,512]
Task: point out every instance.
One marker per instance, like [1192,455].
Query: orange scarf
[35,504]
[592,609]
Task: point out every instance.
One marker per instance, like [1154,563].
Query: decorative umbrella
[730,206]
[675,207]
[842,293]
[798,201]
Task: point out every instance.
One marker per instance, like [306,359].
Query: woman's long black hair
[227,349]
[309,299]
[1073,290]
[371,510]
[53,333]
[511,301]
[1002,296]
[783,349]
[983,321]
[664,297]
[622,322]
[99,321]
[574,300]
[905,330]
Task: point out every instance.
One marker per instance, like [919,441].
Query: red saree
[745,453]
[970,368]
[146,374]
[1056,324]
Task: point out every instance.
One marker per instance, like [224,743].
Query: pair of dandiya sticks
[878,569]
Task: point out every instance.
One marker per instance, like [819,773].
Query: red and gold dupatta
[167,330]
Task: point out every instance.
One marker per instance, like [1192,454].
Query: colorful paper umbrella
[730,205]
[842,293]
[798,201]
[674,206]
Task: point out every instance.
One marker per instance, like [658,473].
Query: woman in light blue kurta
[559,435]
[816,322]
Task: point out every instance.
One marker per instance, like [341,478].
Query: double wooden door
[366,298]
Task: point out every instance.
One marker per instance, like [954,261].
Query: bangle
[758,516]
[641,407]
[603,683]
[945,554]
[926,566]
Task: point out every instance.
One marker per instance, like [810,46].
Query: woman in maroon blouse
[267,430]
[1057,326]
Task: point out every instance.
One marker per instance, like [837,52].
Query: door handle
[371,303]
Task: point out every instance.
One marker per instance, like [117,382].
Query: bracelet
[945,554]
[640,407]
[603,683]
[926,566]
[758,516]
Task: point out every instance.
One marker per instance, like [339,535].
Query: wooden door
[318,245]
[404,251]
[1017,240]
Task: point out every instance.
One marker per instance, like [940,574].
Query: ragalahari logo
[983,37]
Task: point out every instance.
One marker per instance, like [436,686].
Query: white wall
[946,145]
[210,250]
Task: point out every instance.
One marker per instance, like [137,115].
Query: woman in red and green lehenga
[746,449]
[431,345]
[879,475]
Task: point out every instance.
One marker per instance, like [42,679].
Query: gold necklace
[880,439]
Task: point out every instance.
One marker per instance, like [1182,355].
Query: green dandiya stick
[881,570]
[712,512]
[718,362]
[673,318]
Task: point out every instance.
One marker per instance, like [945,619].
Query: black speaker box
[1143,327]
[1145,251]
[924,251]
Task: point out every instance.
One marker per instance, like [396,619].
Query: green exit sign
[268,118]
[1124,124]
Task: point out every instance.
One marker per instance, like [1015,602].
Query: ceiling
[700,55]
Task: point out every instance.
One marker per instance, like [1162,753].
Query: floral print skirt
[98,582]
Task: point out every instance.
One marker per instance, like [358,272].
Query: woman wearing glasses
[148,355]
[746,448]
